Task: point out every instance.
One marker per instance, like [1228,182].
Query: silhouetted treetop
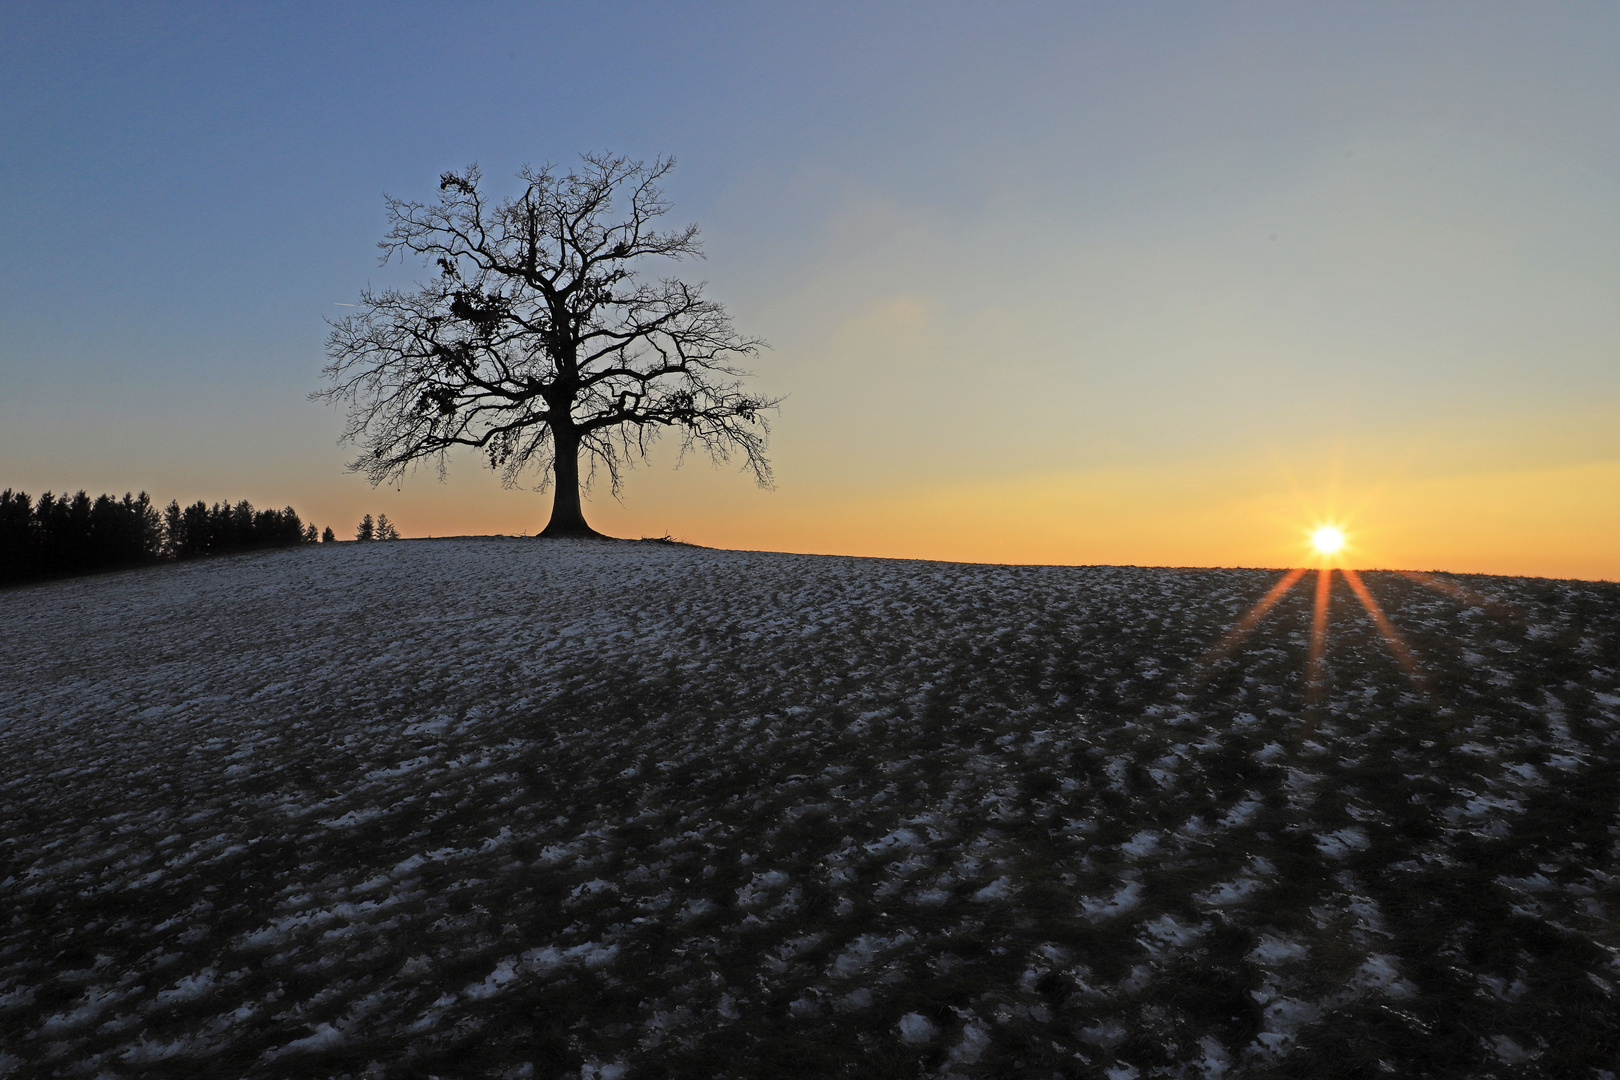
[539,340]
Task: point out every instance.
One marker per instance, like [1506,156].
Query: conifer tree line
[62,535]
[381,529]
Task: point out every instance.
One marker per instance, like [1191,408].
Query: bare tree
[539,341]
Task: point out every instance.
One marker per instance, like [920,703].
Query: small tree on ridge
[539,342]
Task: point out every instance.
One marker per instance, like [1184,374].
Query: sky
[1043,283]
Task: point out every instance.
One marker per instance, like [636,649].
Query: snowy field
[513,808]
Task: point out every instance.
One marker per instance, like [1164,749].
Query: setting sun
[1327,539]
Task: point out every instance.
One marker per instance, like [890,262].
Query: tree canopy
[540,339]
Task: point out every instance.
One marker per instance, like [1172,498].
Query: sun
[1328,539]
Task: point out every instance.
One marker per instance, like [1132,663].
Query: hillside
[518,808]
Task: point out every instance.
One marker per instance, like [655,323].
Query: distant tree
[196,531]
[310,534]
[173,529]
[289,531]
[327,535]
[539,342]
[199,529]
[74,535]
[65,524]
[123,532]
[367,529]
[63,535]
[385,528]
[19,537]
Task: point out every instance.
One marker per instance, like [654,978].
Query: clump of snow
[1166,932]
[324,1037]
[1128,897]
[970,1048]
[1509,1052]
[1214,1061]
[915,1029]
[1343,842]
[1242,813]
[999,889]
[1237,891]
[1381,974]
[1272,950]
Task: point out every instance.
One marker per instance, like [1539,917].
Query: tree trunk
[567,518]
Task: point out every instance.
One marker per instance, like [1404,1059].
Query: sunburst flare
[1330,543]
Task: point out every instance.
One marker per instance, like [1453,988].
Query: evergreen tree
[196,531]
[328,536]
[61,535]
[19,537]
[266,524]
[67,532]
[173,529]
[385,528]
[367,529]
[239,525]
[291,532]
[66,536]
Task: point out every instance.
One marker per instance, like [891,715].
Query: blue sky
[1198,256]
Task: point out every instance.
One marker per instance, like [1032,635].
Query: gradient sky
[1044,283]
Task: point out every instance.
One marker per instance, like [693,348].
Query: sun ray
[1386,630]
[1330,543]
[1466,596]
[1316,665]
[1244,626]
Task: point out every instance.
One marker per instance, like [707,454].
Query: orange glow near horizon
[1539,525]
[1232,511]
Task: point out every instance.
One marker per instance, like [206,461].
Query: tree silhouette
[202,530]
[540,341]
[367,529]
[63,535]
